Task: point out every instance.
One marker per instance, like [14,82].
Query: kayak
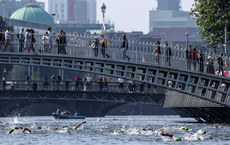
[66,116]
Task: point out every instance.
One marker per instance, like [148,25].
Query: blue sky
[131,15]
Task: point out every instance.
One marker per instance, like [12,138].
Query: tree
[212,16]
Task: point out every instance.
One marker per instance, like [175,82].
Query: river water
[128,130]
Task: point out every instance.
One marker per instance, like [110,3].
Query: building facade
[171,24]
[73,11]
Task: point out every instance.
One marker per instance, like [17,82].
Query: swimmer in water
[184,128]
[65,129]
[16,128]
[79,124]
[148,129]
[201,131]
[170,135]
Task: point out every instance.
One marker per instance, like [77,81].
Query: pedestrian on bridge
[125,47]
[7,39]
[77,82]
[45,43]
[188,57]
[201,60]
[168,54]
[21,39]
[209,63]
[100,83]
[59,79]
[28,79]
[67,83]
[45,83]
[105,84]
[121,84]
[95,46]
[4,83]
[2,39]
[27,40]
[104,47]
[53,80]
[194,58]
[32,41]
[61,42]
[157,52]
[50,39]
[221,64]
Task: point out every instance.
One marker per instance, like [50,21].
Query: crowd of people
[196,58]
[27,41]
[78,83]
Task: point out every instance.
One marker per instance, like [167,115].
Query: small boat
[66,116]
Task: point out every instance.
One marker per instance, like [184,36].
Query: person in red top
[77,82]
[194,57]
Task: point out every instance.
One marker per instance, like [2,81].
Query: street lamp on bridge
[103,9]
[186,34]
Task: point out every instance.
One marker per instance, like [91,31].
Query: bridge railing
[109,87]
[139,52]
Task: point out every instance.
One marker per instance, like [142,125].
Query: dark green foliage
[212,15]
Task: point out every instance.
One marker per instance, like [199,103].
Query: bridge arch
[197,84]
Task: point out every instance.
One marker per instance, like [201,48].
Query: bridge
[19,94]
[142,67]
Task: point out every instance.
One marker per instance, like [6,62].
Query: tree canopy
[212,16]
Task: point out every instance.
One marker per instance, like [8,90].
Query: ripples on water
[101,131]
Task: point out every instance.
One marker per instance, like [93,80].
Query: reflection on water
[113,130]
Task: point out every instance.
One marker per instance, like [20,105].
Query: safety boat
[66,115]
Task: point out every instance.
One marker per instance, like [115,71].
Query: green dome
[33,13]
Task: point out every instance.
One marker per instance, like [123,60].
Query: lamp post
[103,9]
[186,34]
[225,31]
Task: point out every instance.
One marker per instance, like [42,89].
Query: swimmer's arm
[166,134]
[26,129]
[80,124]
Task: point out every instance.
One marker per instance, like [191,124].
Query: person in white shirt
[88,79]
[27,40]
[45,42]
[121,84]
[7,39]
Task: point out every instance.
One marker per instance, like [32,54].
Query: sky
[131,15]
